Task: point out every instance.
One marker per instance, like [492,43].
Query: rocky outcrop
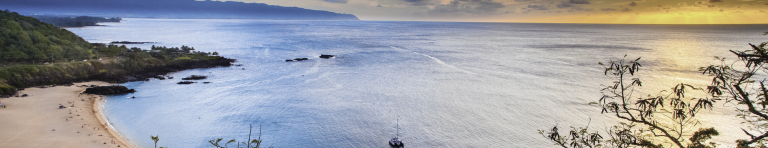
[296,59]
[90,72]
[194,77]
[109,90]
[186,82]
[151,72]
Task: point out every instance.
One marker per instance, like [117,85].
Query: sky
[546,11]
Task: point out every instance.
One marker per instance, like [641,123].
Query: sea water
[449,84]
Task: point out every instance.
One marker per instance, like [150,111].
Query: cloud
[473,7]
[418,2]
[632,4]
[578,8]
[525,0]
[571,3]
[608,9]
[336,1]
[579,2]
[715,1]
[564,4]
[626,10]
[538,7]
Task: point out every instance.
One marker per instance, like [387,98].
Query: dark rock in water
[170,77]
[300,59]
[186,82]
[238,64]
[289,60]
[109,90]
[206,82]
[195,77]
[326,56]
[24,95]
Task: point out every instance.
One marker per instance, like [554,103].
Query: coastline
[98,109]
[37,120]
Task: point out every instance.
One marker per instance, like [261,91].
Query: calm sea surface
[450,84]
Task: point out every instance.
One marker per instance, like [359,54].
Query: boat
[396,142]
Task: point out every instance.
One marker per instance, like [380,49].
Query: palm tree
[155,138]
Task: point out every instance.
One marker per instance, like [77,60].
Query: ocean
[444,84]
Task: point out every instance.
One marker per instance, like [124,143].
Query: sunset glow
[547,11]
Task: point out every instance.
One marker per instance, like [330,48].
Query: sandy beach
[37,121]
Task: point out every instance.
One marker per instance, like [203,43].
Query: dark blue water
[450,84]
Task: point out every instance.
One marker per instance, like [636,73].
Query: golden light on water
[692,17]
[675,59]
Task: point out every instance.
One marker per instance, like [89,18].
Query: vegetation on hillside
[25,40]
[80,21]
[36,53]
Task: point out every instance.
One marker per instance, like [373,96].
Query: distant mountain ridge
[181,9]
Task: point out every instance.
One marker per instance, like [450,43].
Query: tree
[738,82]
[256,142]
[155,138]
[737,85]
[653,121]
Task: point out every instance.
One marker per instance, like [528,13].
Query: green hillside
[33,53]
[25,39]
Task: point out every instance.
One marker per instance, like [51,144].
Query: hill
[26,39]
[184,9]
[26,43]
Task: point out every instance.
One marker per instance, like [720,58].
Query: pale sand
[30,121]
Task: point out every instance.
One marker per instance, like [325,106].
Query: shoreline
[36,120]
[97,109]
